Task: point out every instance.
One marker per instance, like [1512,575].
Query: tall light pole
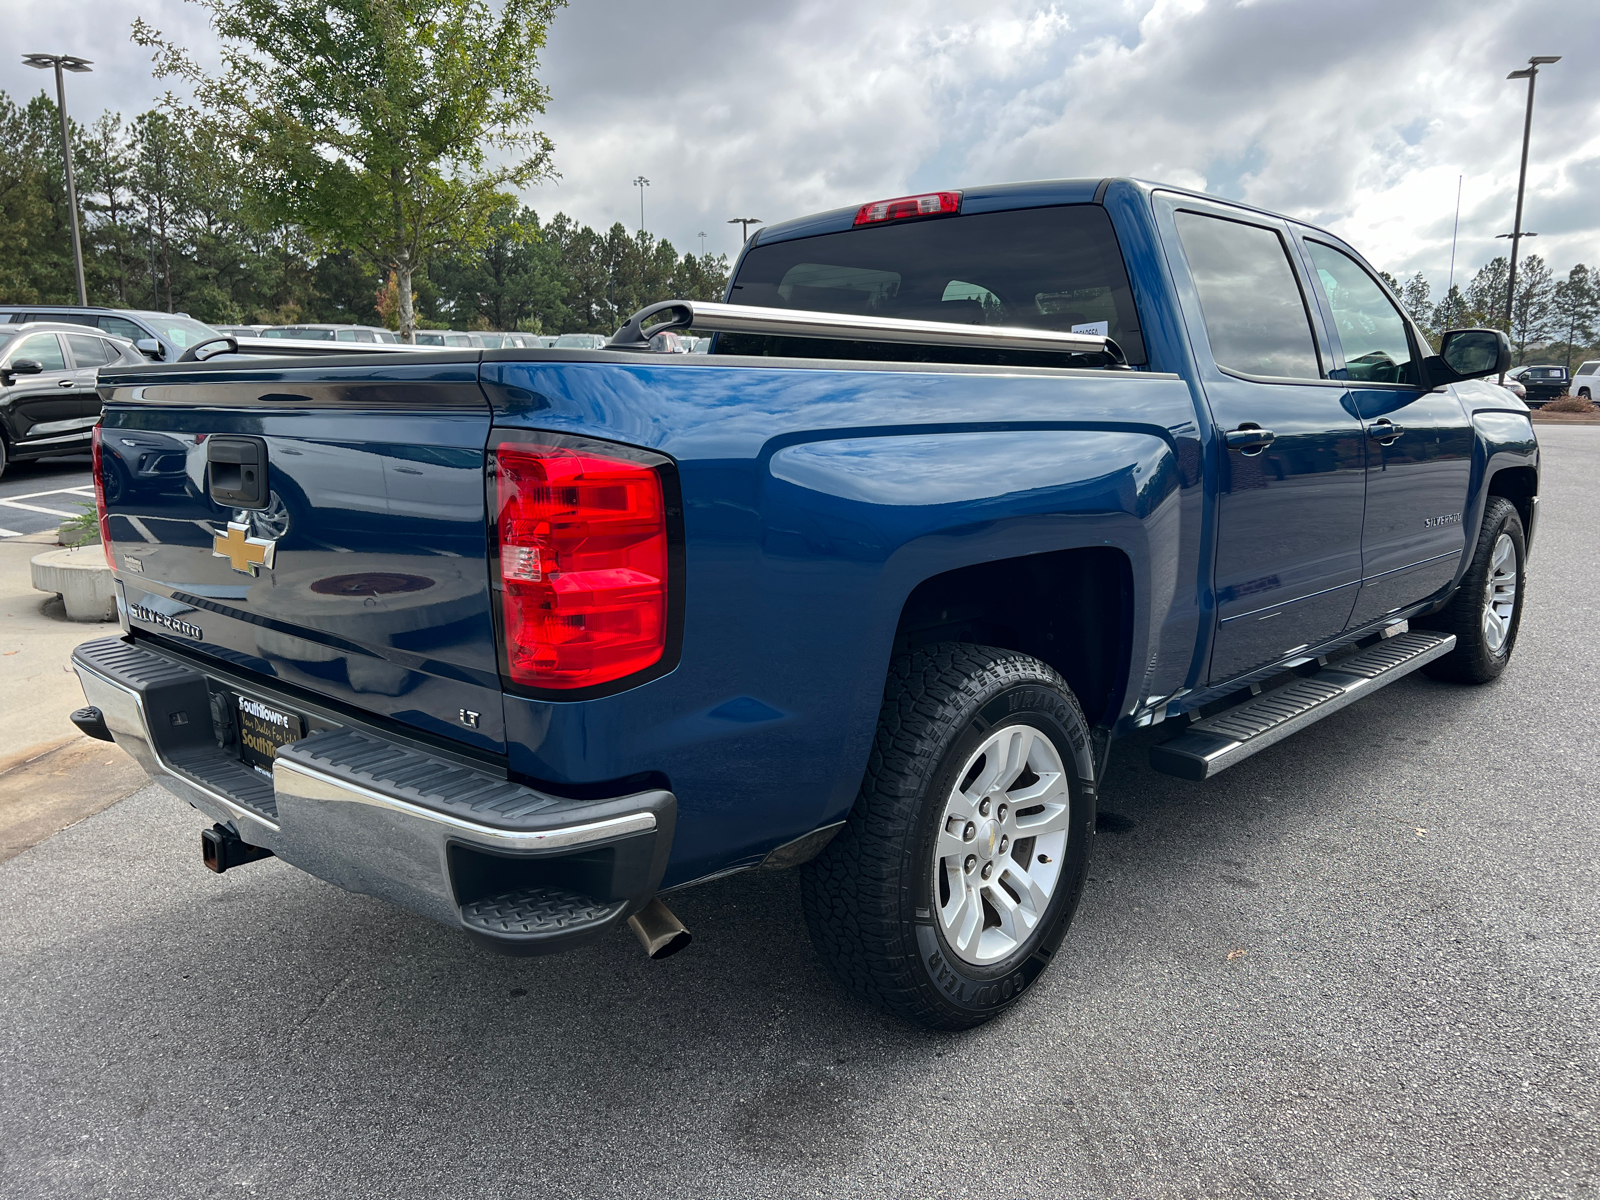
[66,62]
[641,183]
[1530,73]
[702,236]
[744,224]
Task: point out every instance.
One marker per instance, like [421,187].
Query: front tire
[1486,611]
[961,865]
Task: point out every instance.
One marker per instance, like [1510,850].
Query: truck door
[1289,443]
[36,405]
[1418,443]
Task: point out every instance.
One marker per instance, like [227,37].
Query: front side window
[1255,314]
[1371,329]
[1057,268]
[1589,368]
[182,332]
[45,348]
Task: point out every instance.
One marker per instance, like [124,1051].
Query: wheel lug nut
[970,832]
[983,807]
[1005,844]
[988,870]
[972,861]
[1003,811]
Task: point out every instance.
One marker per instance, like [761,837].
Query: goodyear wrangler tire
[961,865]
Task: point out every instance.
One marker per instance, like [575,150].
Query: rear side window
[1371,330]
[91,351]
[1255,314]
[119,327]
[1040,268]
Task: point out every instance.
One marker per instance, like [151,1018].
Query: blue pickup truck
[970,485]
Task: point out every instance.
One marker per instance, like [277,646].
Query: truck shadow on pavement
[175,997]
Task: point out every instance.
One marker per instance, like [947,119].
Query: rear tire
[960,867]
[1486,610]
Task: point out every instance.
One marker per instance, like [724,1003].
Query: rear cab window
[1057,268]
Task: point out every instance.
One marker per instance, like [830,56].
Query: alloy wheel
[1500,594]
[1002,837]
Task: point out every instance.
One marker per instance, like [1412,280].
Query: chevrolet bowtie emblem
[243,552]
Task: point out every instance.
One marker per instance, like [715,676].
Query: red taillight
[929,204]
[583,564]
[100,499]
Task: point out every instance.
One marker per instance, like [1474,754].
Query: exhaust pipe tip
[659,931]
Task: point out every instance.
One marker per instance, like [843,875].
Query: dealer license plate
[262,729]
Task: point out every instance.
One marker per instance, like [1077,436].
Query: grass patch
[81,530]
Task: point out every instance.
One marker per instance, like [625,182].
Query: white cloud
[1358,115]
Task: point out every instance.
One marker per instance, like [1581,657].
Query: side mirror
[22,366]
[1469,354]
[150,347]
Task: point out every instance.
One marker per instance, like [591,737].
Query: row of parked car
[50,356]
[1536,386]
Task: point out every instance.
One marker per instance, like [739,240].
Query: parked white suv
[1586,379]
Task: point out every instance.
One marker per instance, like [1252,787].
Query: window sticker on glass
[1101,328]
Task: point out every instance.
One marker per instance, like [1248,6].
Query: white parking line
[38,508]
[140,528]
[9,533]
[51,492]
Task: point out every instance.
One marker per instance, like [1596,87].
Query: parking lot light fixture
[641,183]
[1530,73]
[744,224]
[66,62]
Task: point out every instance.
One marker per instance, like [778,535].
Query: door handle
[1249,438]
[1384,431]
[66,383]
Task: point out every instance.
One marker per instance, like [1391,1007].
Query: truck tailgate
[363,579]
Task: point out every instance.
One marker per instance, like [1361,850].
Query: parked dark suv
[158,335]
[48,401]
[1544,383]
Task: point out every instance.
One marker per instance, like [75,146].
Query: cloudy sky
[1359,115]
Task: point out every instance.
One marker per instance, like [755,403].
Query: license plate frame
[263,728]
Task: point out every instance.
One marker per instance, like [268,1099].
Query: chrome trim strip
[329,787]
[786,322]
[69,423]
[51,441]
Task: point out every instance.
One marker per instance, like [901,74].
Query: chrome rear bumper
[522,870]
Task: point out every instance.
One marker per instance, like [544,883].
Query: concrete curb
[81,578]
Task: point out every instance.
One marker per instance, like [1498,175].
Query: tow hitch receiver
[221,848]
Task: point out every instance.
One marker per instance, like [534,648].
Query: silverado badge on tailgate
[243,552]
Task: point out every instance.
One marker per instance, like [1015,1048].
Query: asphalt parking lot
[35,496]
[1365,963]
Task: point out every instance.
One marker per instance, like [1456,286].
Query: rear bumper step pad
[518,869]
[1219,742]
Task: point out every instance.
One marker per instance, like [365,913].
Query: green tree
[24,209]
[1486,294]
[367,123]
[1417,296]
[1452,312]
[1576,304]
[1533,309]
